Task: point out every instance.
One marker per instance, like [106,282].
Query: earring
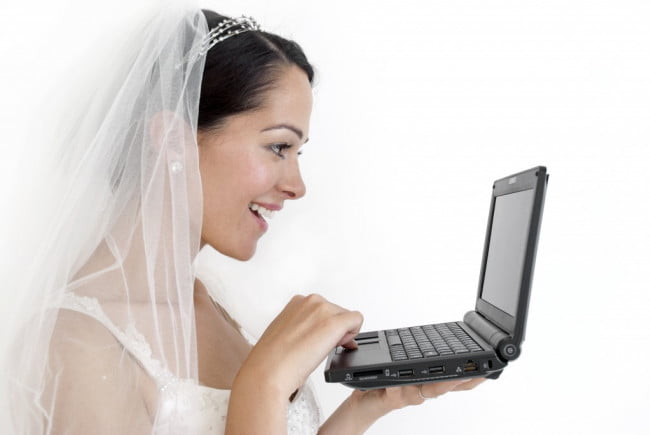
[176,167]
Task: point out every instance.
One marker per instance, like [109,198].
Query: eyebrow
[296,130]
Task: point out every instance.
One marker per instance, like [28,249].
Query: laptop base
[370,385]
[371,367]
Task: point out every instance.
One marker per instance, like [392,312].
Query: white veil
[103,228]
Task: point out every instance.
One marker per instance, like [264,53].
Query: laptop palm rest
[370,351]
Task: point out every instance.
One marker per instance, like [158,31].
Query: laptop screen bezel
[534,179]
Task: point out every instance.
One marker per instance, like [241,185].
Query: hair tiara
[226,29]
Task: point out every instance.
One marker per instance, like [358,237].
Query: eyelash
[278,148]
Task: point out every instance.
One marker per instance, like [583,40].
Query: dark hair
[240,69]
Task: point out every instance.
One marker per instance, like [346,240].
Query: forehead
[289,101]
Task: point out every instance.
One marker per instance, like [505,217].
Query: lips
[260,220]
[263,211]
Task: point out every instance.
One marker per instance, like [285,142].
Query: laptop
[490,336]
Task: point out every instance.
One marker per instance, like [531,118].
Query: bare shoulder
[92,379]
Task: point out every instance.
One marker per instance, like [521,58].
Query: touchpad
[368,345]
[371,352]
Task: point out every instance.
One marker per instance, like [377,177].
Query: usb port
[405,373]
[437,369]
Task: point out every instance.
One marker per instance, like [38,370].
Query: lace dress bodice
[185,406]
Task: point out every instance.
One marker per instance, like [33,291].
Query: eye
[279,148]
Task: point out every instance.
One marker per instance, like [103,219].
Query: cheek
[217,196]
[261,180]
[230,182]
[254,177]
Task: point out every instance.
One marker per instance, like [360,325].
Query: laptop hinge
[505,346]
[486,330]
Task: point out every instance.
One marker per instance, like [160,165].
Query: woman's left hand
[359,411]
[389,399]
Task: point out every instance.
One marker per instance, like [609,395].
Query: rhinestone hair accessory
[226,29]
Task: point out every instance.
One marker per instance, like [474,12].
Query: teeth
[264,212]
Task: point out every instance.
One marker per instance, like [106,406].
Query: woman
[195,142]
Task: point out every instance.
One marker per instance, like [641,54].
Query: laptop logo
[512,180]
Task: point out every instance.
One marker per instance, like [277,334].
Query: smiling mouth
[261,212]
[257,215]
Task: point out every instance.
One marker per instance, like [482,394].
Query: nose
[291,183]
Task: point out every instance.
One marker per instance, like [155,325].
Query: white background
[419,106]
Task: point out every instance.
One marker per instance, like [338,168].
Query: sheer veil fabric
[112,204]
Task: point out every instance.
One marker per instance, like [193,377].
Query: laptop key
[393,340]
[414,355]
[429,341]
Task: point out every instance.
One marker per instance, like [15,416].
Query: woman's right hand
[297,340]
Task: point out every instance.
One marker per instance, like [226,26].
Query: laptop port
[437,369]
[470,366]
[405,373]
[370,374]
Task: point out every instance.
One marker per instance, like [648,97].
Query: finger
[349,344]
[437,389]
[399,397]
[351,321]
[348,340]
[471,383]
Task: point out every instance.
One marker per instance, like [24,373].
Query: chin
[238,253]
[243,256]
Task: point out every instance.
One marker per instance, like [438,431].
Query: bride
[194,139]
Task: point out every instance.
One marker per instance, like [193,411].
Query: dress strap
[132,340]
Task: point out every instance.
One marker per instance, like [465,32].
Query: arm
[256,407]
[290,349]
[355,415]
[293,345]
[362,408]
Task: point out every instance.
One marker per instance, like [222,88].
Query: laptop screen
[507,249]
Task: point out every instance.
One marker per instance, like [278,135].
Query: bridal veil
[105,212]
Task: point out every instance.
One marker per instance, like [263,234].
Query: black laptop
[488,337]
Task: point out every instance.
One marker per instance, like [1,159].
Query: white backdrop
[419,106]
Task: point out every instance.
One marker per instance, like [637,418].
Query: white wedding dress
[187,407]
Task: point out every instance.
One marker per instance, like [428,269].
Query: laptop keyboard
[429,340]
